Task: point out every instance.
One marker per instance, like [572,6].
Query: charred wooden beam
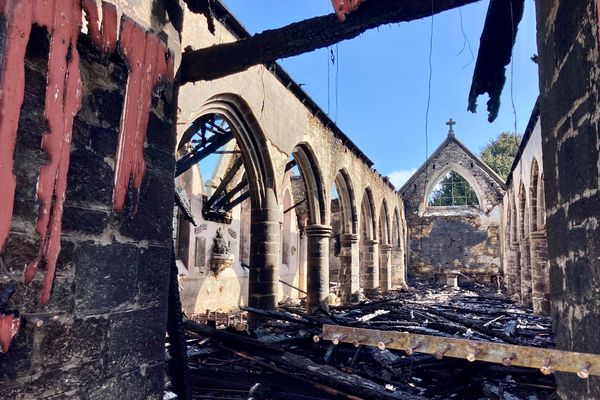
[301,37]
[495,52]
[298,204]
[229,195]
[203,7]
[225,181]
[239,200]
[213,143]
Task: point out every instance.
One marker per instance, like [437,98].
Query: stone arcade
[90,143]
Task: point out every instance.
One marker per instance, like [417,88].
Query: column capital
[349,238]
[318,230]
[538,235]
[370,242]
[386,247]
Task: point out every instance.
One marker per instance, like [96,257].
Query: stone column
[349,265]
[318,266]
[540,276]
[370,264]
[525,272]
[302,255]
[385,265]
[263,278]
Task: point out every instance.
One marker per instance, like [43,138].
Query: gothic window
[453,190]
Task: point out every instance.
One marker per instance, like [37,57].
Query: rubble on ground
[282,360]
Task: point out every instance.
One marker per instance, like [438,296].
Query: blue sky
[382,80]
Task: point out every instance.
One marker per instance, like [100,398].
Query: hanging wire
[427,116]
[329,51]
[337,80]
[512,74]
[429,87]
[466,41]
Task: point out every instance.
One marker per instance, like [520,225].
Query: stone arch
[384,224]
[541,202]
[313,183]
[523,214]
[396,229]
[345,190]
[369,250]
[515,252]
[534,196]
[367,216]
[263,275]
[385,248]
[345,263]
[250,139]
[525,251]
[466,173]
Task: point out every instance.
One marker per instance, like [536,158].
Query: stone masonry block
[105,277]
[136,338]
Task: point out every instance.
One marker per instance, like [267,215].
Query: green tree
[500,153]
[453,190]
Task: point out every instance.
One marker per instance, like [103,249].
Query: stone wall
[524,241]
[273,119]
[453,238]
[101,333]
[569,69]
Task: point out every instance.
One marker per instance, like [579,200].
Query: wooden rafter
[304,36]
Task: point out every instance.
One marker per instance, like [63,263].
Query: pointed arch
[396,229]
[384,224]
[367,212]
[541,202]
[465,173]
[533,196]
[523,225]
[313,183]
[347,198]
[250,139]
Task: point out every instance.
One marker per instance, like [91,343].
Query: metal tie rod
[546,360]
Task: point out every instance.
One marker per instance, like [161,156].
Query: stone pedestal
[369,268]
[219,262]
[385,266]
[524,248]
[452,281]
[540,273]
[349,265]
[318,266]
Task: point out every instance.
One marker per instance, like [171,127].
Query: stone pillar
[524,250]
[398,268]
[318,266]
[263,278]
[540,276]
[385,265]
[369,269]
[302,256]
[349,265]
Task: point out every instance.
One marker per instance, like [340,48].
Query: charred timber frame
[546,360]
[301,37]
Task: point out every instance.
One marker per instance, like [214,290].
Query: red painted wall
[150,65]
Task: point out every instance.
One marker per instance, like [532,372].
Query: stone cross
[451,124]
